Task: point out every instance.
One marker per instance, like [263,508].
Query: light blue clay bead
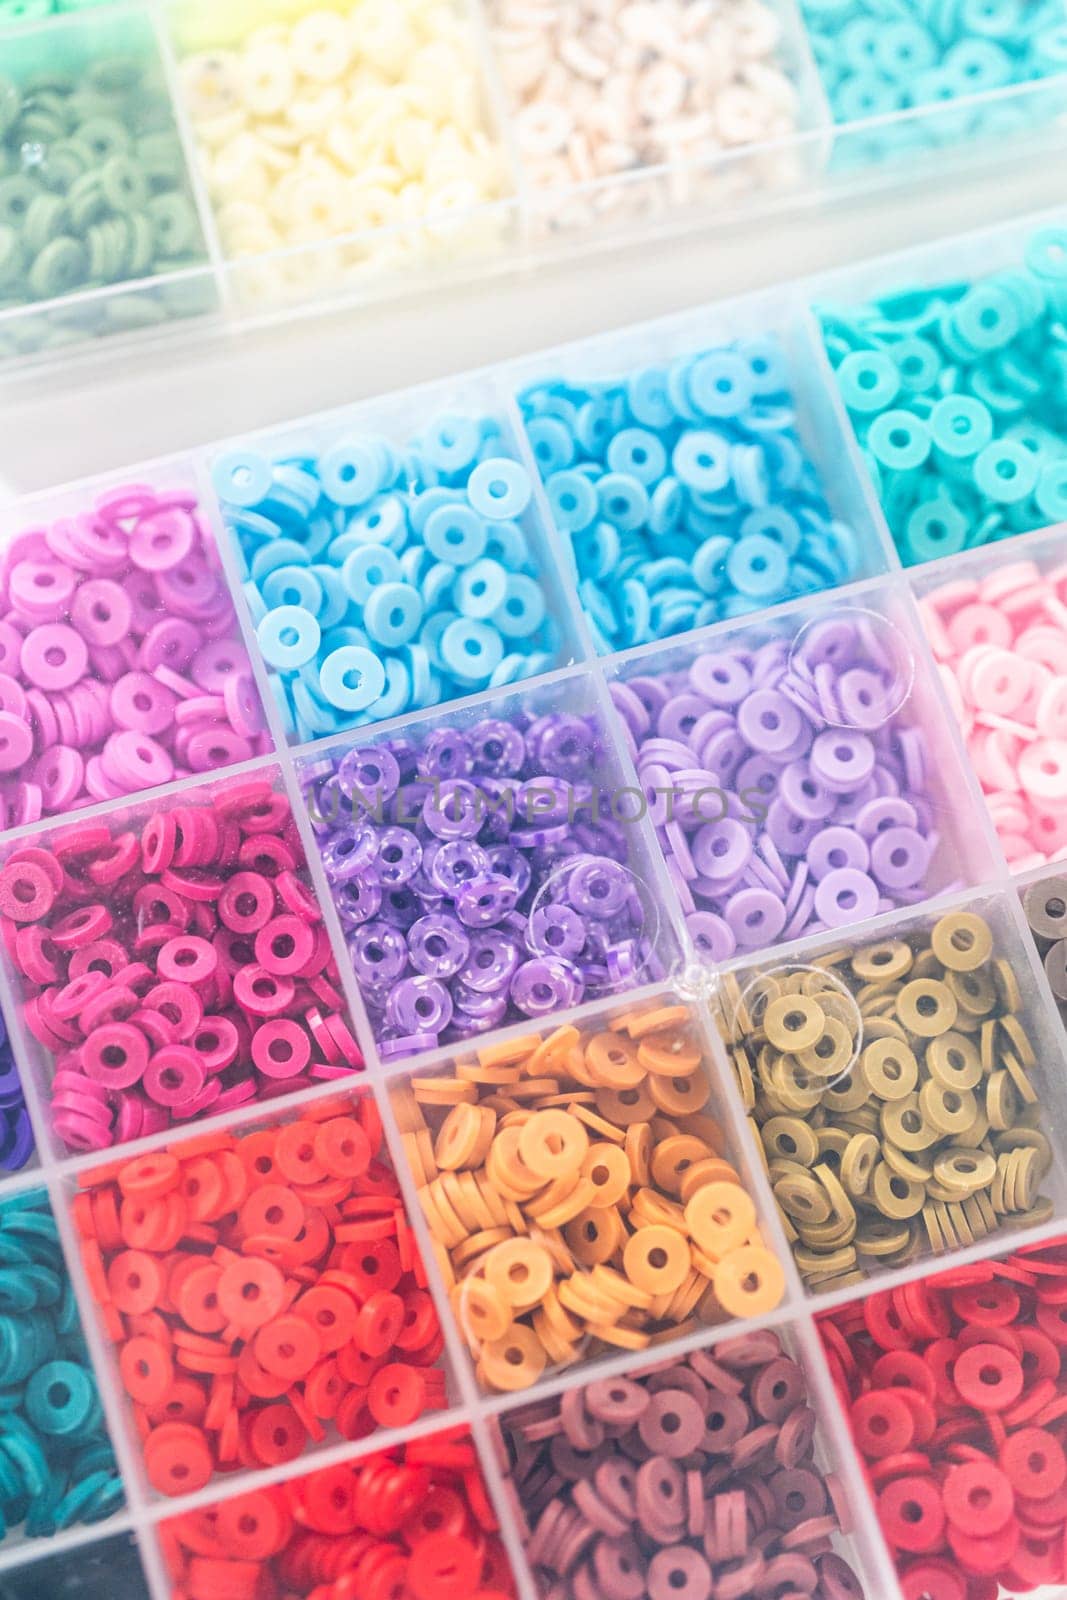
[288,636]
[393,614]
[352,678]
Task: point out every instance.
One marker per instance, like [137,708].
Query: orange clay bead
[254,1286]
[580,1196]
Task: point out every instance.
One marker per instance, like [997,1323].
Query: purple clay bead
[379,953]
[837,847]
[399,856]
[846,895]
[358,899]
[556,930]
[721,849]
[438,945]
[485,901]
[451,865]
[447,754]
[419,1005]
[349,853]
[756,916]
[546,984]
[712,936]
[499,749]
[372,773]
[455,810]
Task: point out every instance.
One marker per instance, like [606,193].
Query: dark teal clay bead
[57,1467]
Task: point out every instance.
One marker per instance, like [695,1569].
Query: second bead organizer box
[534,960]
[167,160]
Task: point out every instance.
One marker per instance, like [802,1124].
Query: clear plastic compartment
[61,1477]
[996,624]
[101,229]
[293,110]
[601,1459]
[299,1292]
[427,572]
[644,1218]
[123,663]
[987,459]
[524,798]
[744,740]
[717,456]
[680,123]
[98,912]
[893,1080]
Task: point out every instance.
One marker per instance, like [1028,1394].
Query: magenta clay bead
[155,1011]
[110,621]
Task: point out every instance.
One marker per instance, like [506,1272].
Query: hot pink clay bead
[110,621]
[169,977]
[1001,644]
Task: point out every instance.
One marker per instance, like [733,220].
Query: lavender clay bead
[627,1490]
[788,782]
[481,876]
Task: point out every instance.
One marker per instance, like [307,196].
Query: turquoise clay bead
[877,57]
[382,579]
[685,493]
[56,1463]
[958,396]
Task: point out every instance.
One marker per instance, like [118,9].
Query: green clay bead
[60,267]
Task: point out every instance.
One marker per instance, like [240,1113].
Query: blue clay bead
[656,497]
[360,559]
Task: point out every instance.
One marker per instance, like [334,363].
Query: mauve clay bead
[669,1485]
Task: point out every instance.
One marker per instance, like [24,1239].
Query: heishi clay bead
[1001,647]
[579,1198]
[415,1521]
[16,1134]
[58,1469]
[1045,909]
[263,1292]
[956,1391]
[480,875]
[894,1092]
[599,92]
[93,185]
[173,964]
[875,61]
[958,397]
[97,1571]
[693,1478]
[121,665]
[365,124]
[382,580]
[684,492]
[790,782]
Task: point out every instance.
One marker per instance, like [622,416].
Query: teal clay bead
[958,396]
[877,57]
[93,189]
[57,1467]
[685,491]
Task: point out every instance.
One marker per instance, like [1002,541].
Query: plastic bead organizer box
[533,962]
[236,161]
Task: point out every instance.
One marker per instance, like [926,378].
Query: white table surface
[118,410]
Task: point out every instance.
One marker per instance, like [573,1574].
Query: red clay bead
[246,1317]
[957,1394]
[414,1523]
